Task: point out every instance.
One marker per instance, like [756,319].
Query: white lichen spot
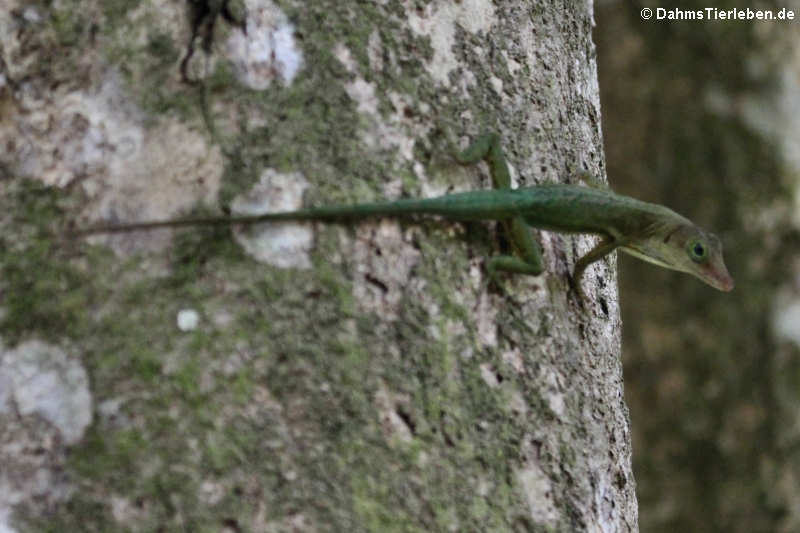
[42,380]
[432,189]
[5,520]
[538,492]
[212,492]
[437,21]
[280,244]
[605,517]
[488,375]
[31,15]
[395,137]
[363,93]
[496,84]
[486,316]
[513,66]
[267,51]
[553,390]
[342,53]
[188,319]
[375,51]
[295,522]
[393,425]
[122,509]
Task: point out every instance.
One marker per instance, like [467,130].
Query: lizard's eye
[697,251]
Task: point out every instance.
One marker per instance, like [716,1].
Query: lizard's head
[686,248]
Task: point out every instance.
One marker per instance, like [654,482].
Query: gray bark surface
[298,377]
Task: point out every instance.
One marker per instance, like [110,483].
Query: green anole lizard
[648,231]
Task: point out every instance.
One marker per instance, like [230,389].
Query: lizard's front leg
[605,247]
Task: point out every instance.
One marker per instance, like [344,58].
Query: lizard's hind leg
[528,256]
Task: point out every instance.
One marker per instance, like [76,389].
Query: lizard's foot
[575,288]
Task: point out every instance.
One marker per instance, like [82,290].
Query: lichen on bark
[388,386]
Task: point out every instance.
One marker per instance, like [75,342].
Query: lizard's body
[590,210]
[649,231]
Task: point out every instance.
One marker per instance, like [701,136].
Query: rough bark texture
[702,116]
[298,378]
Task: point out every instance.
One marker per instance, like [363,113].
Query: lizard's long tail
[476,205]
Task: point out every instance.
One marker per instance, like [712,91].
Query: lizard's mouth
[719,278]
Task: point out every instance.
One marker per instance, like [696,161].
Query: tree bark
[299,377]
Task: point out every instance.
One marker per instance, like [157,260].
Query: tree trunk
[298,377]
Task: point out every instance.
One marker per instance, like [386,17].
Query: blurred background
[704,116]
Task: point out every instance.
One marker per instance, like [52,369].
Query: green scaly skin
[648,231]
